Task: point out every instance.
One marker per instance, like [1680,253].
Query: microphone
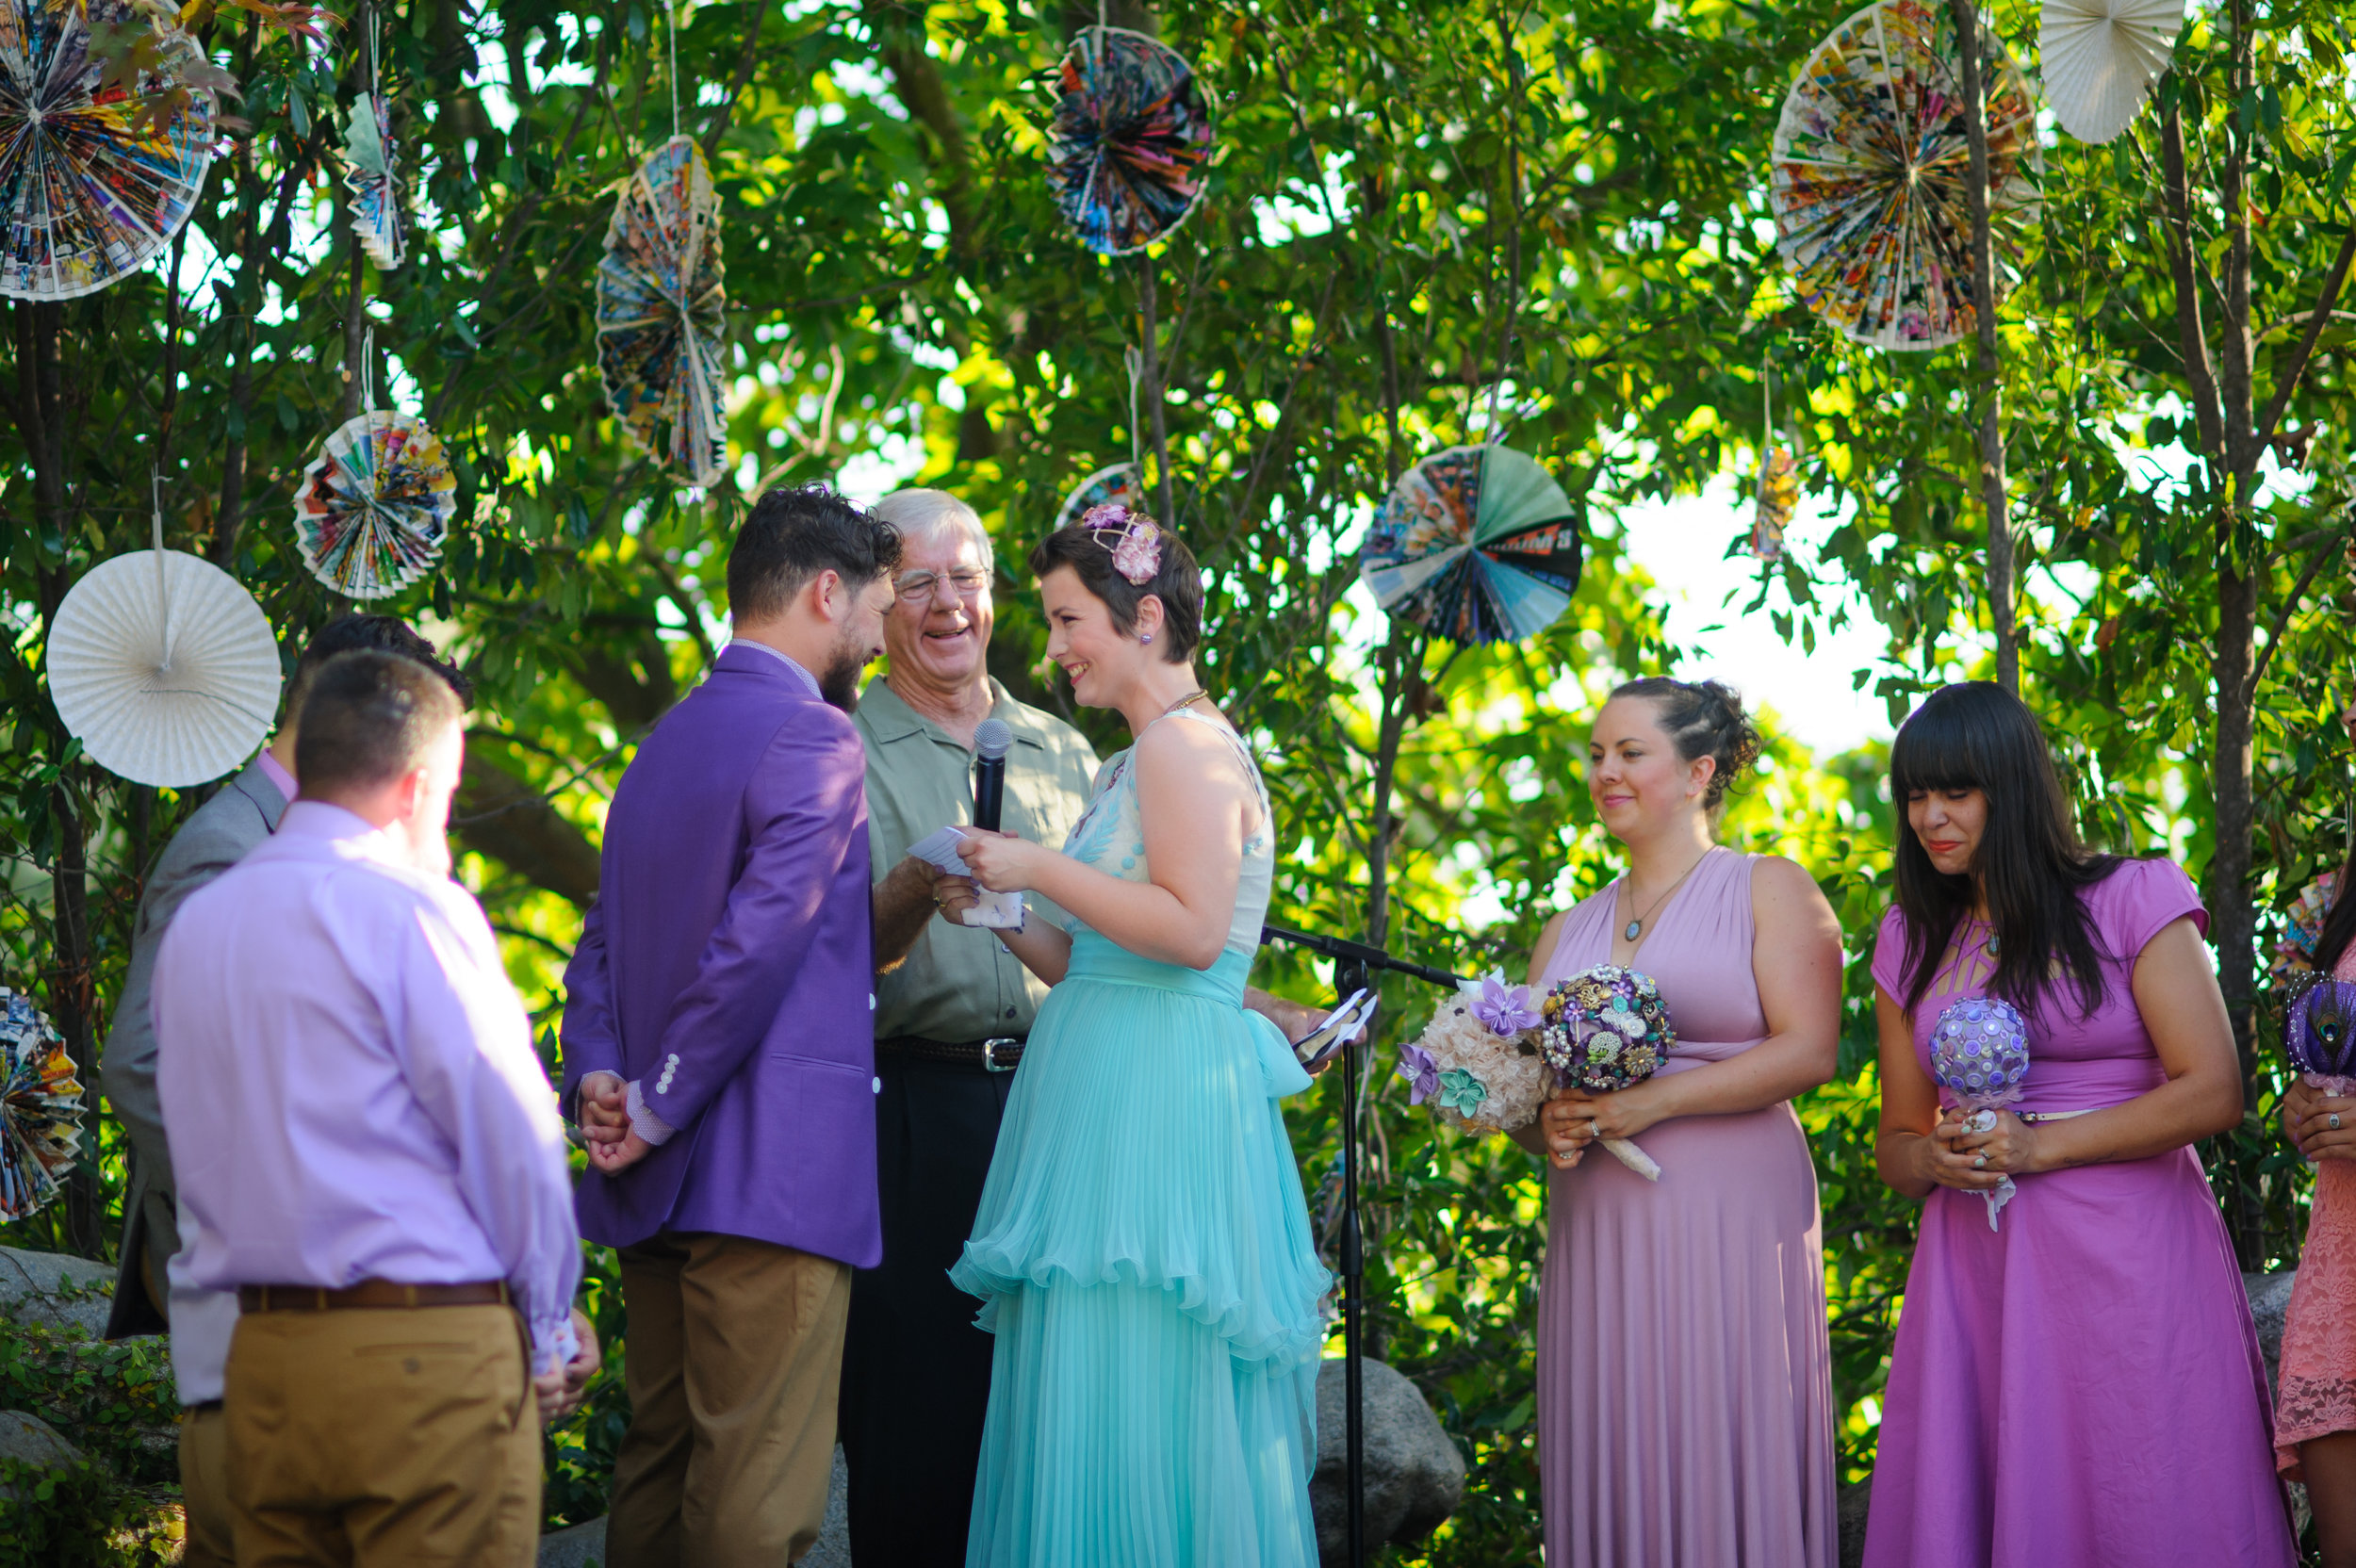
[990,740]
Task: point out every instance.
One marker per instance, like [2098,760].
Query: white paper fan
[164,668]
[2099,57]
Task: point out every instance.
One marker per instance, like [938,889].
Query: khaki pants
[734,1360]
[204,1487]
[406,1436]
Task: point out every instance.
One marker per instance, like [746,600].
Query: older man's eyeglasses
[920,587]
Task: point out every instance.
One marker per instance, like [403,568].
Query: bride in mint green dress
[1142,1251]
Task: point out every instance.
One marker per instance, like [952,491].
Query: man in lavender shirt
[216,835]
[367,1155]
[719,1034]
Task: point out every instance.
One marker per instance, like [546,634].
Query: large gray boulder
[35,1442]
[1415,1475]
[55,1290]
[583,1546]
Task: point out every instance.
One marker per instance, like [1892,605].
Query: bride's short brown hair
[1177,583]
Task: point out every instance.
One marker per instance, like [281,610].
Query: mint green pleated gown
[1144,1258]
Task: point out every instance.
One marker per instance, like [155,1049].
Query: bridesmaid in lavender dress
[1684,1373]
[2079,1386]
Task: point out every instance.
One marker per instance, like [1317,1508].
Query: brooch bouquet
[1607,1028]
[2321,1037]
[1980,1054]
[1477,1061]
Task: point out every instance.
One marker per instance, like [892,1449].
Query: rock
[1855,1498]
[55,1290]
[1415,1475]
[35,1442]
[583,1546]
[2269,1302]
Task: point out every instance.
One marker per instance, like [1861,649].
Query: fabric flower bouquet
[1489,1061]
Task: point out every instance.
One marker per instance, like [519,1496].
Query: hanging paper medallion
[1131,141]
[1122,484]
[1476,545]
[40,1108]
[660,311]
[95,176]
[373,174]
[373,507]
[1778,498]
[1870,164]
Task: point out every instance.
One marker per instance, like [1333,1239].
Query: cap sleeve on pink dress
[1890,954]
[2139,901]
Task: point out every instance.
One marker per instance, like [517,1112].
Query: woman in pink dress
[2078,1384]
[2314,1413]
[1684,1372]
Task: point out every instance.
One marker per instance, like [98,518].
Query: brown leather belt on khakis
[370,1295]
[993,1055]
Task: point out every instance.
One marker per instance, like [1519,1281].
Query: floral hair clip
[1136,540]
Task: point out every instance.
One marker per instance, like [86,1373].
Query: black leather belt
[991,1056]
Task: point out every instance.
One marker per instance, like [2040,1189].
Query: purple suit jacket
[730,936]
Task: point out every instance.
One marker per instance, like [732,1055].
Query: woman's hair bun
[1702,718]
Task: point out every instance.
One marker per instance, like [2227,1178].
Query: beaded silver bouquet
[1607,1028]
[1980,1055]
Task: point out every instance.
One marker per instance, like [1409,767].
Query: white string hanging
[670,34]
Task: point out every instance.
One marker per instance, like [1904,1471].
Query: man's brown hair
[369,718]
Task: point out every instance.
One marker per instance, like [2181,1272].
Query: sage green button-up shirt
[959,984]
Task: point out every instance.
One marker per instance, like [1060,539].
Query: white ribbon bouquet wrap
[1980,1055]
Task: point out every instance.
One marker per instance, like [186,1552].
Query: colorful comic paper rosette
[95,177]
[1477,1062]
[372,171]
[660,308]
[1980,1056]
[1605,1029]
[1122,484]
[2294,955]
[1476,545]
[375,504]
[1871,165]
[1131,142]
[40,1108]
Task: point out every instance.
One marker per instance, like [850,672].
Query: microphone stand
[1352,963]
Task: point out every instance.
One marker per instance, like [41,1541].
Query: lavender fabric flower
[1416,1066]
[1504,1009]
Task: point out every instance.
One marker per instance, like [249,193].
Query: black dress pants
[915,1369]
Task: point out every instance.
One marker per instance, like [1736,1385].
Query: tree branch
[757,10]
[2290,606]
[2289,382]
[2192,338]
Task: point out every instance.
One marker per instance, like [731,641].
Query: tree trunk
[1991,433]
[2233,929]
[1150,388]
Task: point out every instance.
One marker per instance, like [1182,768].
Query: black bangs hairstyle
[1177,583]
[2029,866]
[2339,926]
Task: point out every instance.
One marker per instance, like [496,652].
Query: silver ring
[2333,1122]
[1979,1162]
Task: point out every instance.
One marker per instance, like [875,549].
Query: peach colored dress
[2318,1373]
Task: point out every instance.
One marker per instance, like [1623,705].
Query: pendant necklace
[1635,928]
[1195,695]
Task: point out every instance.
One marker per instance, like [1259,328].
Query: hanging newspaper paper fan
[95,177]
[1870,164]
[40,1108]
[2100,56]
[1131,138]
[1476,545]
[164,668]
[374,505]
[659,304]
[1778,498]
[1122,484]
[373,174]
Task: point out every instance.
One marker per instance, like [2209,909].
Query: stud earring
[1146,638]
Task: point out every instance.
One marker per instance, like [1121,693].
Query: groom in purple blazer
[719,1050]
